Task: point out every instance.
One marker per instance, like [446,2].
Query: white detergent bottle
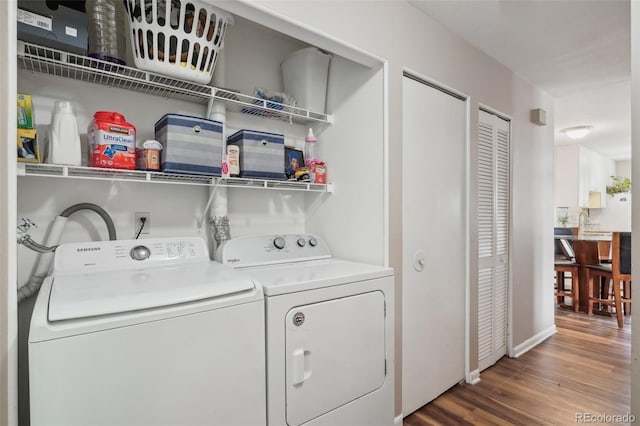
[64,138]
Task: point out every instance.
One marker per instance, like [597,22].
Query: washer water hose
[35,246]
[44,259]
[111,229]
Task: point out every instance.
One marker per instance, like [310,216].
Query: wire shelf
[50,61]
[95,173]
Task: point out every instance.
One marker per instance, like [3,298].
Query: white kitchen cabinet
[566,176]
[581,177]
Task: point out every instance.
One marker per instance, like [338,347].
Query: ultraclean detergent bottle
[112,141]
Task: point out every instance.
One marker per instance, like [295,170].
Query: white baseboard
[398,421]
[474,377]
[532,342]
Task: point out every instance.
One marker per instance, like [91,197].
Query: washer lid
[108,292]
[312,274]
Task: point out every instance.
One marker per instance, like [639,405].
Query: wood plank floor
[584,368]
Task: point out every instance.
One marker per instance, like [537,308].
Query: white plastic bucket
[305,74]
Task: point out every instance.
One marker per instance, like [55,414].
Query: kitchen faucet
[583,214]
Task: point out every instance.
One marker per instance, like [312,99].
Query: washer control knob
[279,243]
[313,242]
[140,253]
[301,242]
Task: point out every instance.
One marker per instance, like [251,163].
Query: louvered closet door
[493,237]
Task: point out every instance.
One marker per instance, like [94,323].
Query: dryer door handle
[301,366]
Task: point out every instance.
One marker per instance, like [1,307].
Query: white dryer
[146,332]
[329,331]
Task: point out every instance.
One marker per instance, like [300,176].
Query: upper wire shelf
[69,65]
[95,173]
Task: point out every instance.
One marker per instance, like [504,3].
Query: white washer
[146,332]
[329,331]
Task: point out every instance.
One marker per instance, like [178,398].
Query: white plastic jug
[305,73]
[64,138]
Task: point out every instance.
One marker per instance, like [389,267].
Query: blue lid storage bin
[190,144]
[261,154]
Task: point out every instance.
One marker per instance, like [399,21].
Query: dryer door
[335,354]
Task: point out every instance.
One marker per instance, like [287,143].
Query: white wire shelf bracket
[55,62]
[119,175]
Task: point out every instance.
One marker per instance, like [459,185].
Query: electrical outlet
[138,223]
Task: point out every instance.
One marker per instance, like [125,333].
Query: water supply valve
[24,227]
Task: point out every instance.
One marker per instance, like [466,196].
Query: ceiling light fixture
[577,132]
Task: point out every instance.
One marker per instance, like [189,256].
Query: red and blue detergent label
[113,145]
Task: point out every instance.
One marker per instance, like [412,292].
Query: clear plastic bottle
[310,155]
[106,40]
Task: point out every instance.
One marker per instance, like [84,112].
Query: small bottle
[105,33]
[64,137]
[310,156]
[233,158]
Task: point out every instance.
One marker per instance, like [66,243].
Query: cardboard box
[319,173]
[147,159]
[25,112]
[261,154]
[63,28]
[190,144]
[28,149]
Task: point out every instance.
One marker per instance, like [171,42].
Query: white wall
[623,168]
[403,35]
[8,310]
[250,48]
[355,212]
[635,190]
[532,218]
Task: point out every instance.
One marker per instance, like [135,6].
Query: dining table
[585,248]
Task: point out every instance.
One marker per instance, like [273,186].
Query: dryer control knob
[140,253]
[279,243]
[313,242]
[301,242]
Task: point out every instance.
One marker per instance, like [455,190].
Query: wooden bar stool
[563,264]
[616,275]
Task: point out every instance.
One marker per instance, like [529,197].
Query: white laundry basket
[177,38]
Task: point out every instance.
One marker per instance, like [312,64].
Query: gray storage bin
[261,154]
[190,144]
